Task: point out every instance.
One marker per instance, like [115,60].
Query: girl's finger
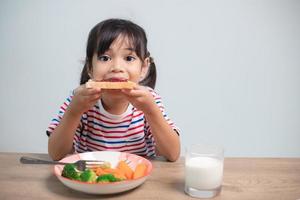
[91,91]
[133,93]
[95,97]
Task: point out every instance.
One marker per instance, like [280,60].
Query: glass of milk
[203,170]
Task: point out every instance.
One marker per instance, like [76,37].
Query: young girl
[117,120]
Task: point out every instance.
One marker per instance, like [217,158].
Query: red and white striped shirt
[99,130]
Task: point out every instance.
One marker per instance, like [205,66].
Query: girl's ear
[145,68]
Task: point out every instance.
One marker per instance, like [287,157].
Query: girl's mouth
[115,79]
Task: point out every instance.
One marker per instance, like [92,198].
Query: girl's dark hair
[102,36]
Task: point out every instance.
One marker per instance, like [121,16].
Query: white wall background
[228,71]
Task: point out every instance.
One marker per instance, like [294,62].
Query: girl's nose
[116,68]
[116,65]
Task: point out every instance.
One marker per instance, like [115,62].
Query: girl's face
[119,63]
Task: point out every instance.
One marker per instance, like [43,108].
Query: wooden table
[244,178]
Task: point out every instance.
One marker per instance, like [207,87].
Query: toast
[110,85]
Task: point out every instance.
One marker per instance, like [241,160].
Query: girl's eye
[104,58]
[130,58]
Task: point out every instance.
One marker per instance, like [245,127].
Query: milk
[203,173]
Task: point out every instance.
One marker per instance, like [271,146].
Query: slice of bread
[110,85]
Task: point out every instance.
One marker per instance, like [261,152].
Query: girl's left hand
[141,98]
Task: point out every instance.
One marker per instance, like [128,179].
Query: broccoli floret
[70,172]
[105,178]
[88,176]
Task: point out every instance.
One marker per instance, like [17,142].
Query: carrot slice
[116,172]
[140,170]
[99,171]
[125,169]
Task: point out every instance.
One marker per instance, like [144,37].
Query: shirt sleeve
[159,103]
[57,118]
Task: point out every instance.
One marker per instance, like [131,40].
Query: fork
[80,164]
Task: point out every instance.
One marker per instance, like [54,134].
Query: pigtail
[84,74]
[150,79]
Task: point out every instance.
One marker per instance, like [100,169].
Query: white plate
[104,188]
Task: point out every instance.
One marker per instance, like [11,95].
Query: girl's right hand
[83,99]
